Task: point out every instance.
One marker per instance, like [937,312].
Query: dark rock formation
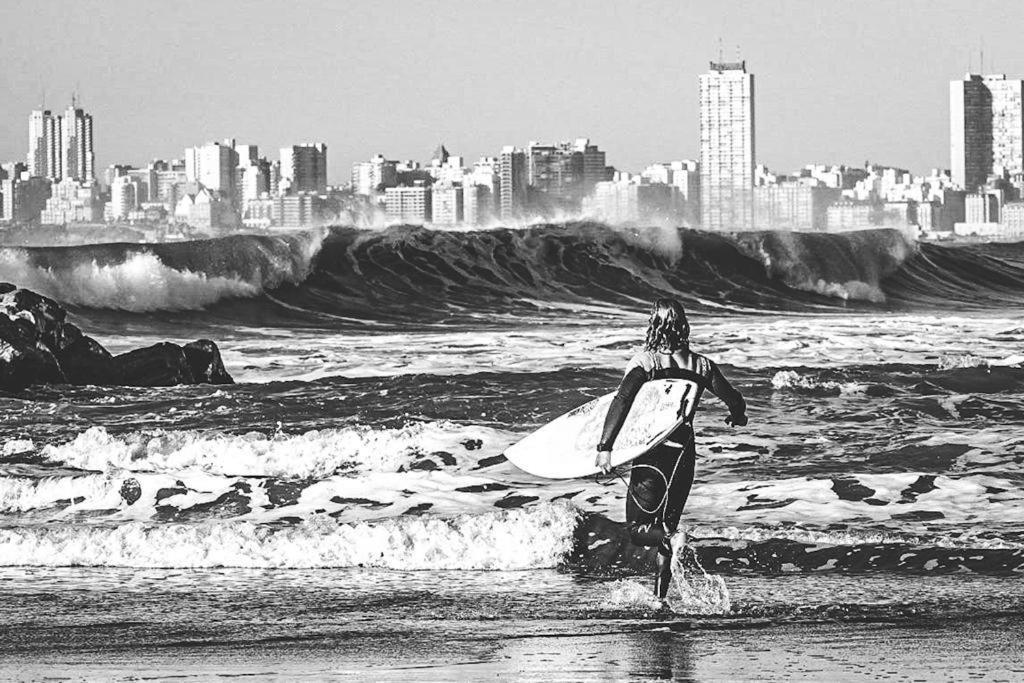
[39,346]
[85,361]
[160,365]
[204,361]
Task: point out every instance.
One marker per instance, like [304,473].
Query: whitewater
[358,464]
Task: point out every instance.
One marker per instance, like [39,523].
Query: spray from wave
[162,277]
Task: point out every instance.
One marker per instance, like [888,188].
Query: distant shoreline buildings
[221,187]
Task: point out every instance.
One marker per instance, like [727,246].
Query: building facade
[727,147]
[447,204]
[213,166]
[634,201]
[76,149]
[408,204]
[72,201]
[22,200]
[986,123]
[793,206]
[513,179]
[304,168]
[373,176]
[44,139]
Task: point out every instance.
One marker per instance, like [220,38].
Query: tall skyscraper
[513,174]
[76,151]
[304,167]
[727,147]
[986,129]
[44,145]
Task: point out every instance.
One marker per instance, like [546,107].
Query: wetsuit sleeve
[620,405]
[721,388]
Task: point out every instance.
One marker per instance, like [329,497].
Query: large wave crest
[403,273]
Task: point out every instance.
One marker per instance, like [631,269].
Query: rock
[49,370]
[205,363]
[47,315]
[160,365]
[24,360]
[131,490]
[85,361]
[39,346]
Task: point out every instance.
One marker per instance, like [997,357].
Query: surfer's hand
[736,420]
[604,461]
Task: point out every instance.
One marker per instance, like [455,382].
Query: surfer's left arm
[619,408]
[721,388]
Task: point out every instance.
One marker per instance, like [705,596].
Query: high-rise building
[561,174]
[986,129]
[304,168]
[477,204]
[794,206]
[447,204]
[213,166]
[76,151]
[377,174]
[512,171]
[408,204]
[22,200]
[44,145]
[727,147]
[125,197]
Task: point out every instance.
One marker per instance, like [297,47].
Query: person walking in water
[660,480]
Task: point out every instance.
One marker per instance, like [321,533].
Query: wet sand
[961,650]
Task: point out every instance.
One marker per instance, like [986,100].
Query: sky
[835,82]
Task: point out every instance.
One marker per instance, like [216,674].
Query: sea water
[348,494]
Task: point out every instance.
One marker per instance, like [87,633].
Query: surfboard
[565,448]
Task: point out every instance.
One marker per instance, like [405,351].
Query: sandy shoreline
[958,650]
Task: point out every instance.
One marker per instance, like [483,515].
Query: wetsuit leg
[645,499]
[649,513]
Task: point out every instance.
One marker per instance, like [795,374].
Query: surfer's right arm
[721,388]
[635,377]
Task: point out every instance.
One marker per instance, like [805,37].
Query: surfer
[660,481]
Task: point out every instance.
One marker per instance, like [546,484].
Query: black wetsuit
[651,514]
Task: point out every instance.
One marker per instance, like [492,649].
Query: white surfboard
[566,447]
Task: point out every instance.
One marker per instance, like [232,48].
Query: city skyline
[821,98]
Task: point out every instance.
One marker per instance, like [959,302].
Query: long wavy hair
[668,329]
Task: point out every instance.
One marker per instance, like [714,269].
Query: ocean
[344,509]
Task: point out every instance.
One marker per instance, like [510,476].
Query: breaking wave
[351,274]
[533,538]
[162,277]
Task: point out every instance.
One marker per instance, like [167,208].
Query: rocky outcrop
[39,346]
[160,365]
[204,361]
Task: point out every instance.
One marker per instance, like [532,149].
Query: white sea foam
[629,594]
[141,283]
[316,453]
[790,379]
[537,537]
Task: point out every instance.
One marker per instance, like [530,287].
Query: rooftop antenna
[720,58]
[982,50]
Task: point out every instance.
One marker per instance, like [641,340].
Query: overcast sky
[835,82]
